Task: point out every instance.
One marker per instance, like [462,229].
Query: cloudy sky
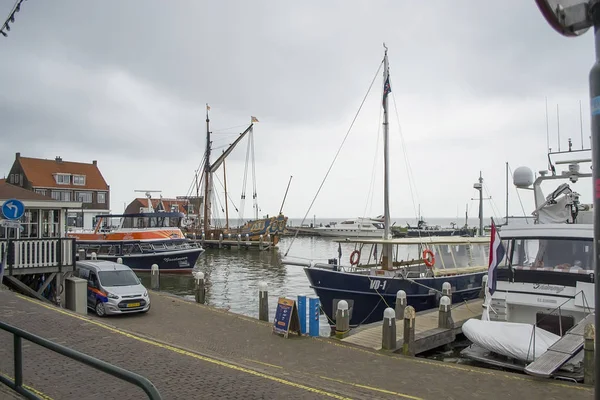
[126,83]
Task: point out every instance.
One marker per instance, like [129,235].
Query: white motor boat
[354,228]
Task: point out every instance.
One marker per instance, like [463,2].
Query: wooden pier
[237,242]
[427,336]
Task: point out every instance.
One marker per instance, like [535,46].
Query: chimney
[95,162]
[58,159]
[18,155]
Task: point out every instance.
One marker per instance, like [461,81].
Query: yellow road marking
[263,363]
[190,354]
[406,396]
[32,390]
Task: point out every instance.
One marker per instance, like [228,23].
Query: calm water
[232,275]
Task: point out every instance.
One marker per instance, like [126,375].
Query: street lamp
[573,18]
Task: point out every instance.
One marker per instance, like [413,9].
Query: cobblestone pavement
[192,351]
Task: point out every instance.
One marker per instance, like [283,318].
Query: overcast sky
[126,83]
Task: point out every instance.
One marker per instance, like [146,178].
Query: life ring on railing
[428,258]
[354,257]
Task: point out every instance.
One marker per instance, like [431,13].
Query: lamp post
[573,18]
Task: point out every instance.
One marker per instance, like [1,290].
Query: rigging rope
[371,192]
[243,196]
[254,195]
[520,201]
[335,157]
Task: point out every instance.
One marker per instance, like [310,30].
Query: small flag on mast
[253,119]
[497,253]
[387,88]
[207,107]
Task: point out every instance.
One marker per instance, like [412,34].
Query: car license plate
[133,305]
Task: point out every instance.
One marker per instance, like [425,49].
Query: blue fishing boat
[380,267]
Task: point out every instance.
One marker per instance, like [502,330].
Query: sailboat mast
[226,205]
[386,260]
[207,174]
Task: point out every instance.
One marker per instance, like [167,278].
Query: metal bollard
[200,290]
[239,240]
[342,320]
[400,304]
[313,316]
[260,242]
[154,277]
[220,240]
[388,335]
[588,354]
[484,281]
[119,260]
[408,347]
[302,313]
[263,301]
[447,290]
[94,256]
[445,315]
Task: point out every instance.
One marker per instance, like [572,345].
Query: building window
[21,179]
[84,197]
[63,179]
[101,197]
[12,178]
[41,191]
[79,180]
[61,195]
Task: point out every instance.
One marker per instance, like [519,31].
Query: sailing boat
[419,265]
[267,228]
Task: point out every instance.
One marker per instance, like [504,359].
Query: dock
[237,242]
[193,351]
[428,335]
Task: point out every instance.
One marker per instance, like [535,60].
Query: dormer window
[63,179]
[79,180]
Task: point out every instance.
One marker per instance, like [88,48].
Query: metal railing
[17,384]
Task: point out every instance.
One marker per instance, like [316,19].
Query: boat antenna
[547,128]
[558,126]
[581,124]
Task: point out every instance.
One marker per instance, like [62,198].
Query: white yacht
[354,228]
[544,285]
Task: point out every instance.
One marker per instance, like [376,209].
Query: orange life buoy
[354,257]
[428,258]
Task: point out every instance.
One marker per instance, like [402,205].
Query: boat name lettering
[551,288]
[167,259]
[542,300]
[376,284]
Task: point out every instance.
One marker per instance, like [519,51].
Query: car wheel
[100,310]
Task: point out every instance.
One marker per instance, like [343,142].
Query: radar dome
[523,177]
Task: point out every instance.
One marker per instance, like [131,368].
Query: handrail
[17,385]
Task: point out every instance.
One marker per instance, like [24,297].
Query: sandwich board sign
[286,317]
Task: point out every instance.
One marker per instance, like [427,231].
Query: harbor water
[232,275]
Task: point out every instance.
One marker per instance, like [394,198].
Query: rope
[335,157]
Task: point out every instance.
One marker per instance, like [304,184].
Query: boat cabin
[139,221]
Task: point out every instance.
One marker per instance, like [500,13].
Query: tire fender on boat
[354,257]
[428,258]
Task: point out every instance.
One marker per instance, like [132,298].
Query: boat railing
[559,313]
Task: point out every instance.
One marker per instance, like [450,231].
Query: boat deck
[427,333]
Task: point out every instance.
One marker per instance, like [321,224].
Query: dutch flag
[497,253]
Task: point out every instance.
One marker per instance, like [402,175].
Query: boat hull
[368,296]
[168,262]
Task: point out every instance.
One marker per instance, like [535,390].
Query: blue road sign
[13,209]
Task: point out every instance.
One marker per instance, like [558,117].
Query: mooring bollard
[94,256]
[200,290]
[484,281]
[313,316]
[154,277]
[239,241]
[302,313]
[220,240]
[260,242]
[263,301]
[119,260]
[400,304]
[342,320]
[445,315]
[247,240]
[388,334]
[447,290]
[588,354]
[408,346]
[81,254]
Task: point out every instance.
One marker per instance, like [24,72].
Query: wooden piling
[154,277]
[200,290]
[400,304]
[342,320]
[588,354]
[447,290]
[408,347]
[388,336]
[445,314]
[263,301]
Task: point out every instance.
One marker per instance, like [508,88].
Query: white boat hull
[349,233]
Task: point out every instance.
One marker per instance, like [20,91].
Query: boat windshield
[123,277]
[461,255]
[559,254]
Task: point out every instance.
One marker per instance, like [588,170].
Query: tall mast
[387,261]
[226,205]
[207,174]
